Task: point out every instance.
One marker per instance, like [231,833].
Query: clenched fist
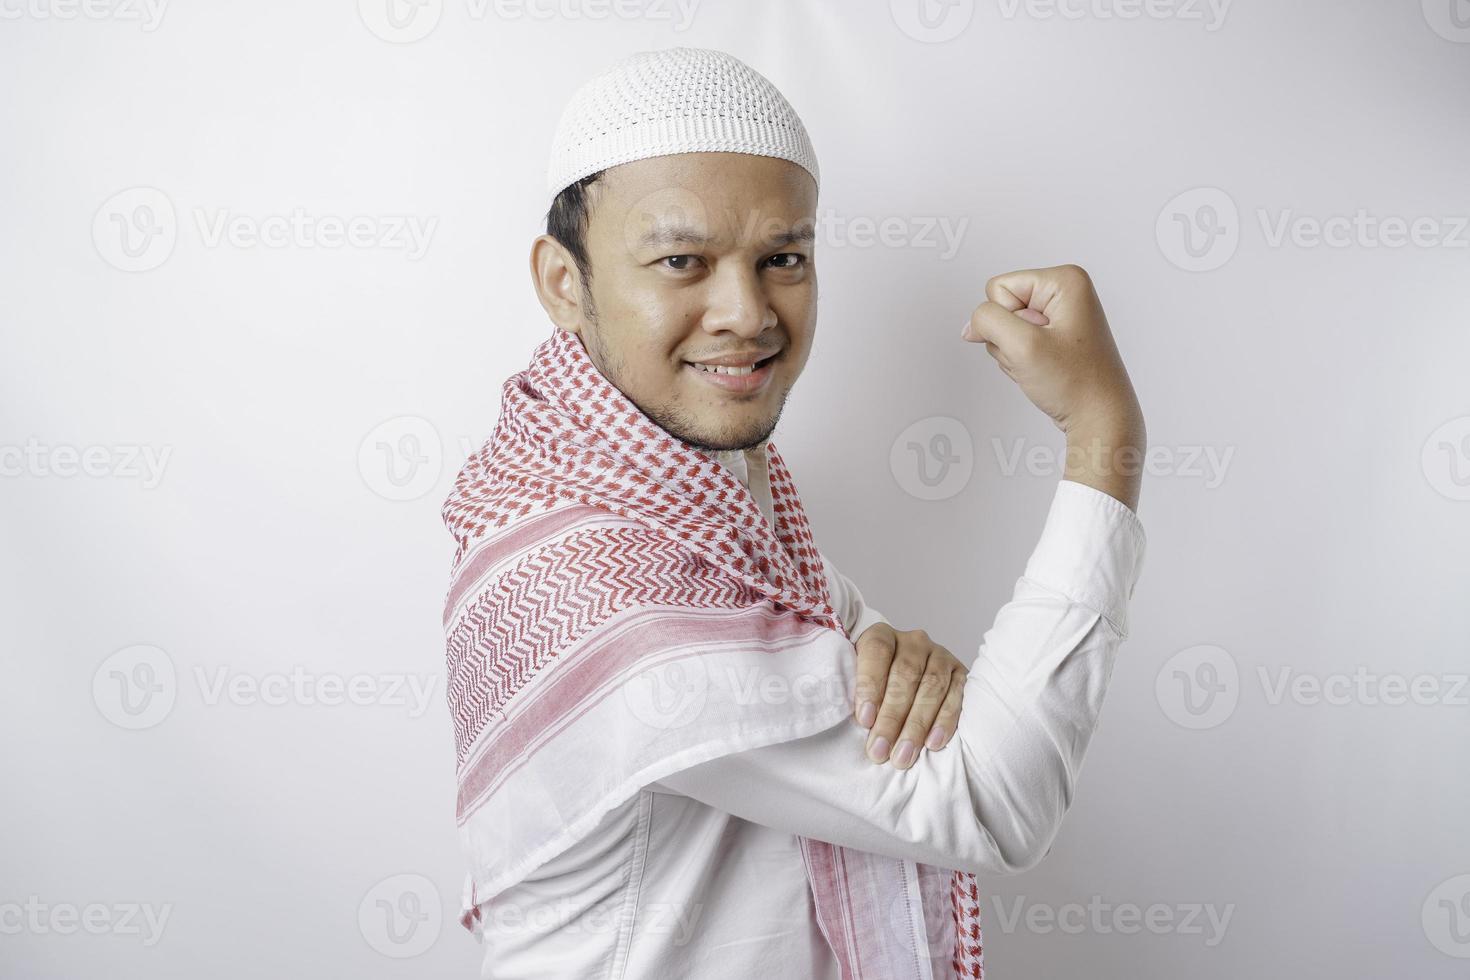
[1047,331]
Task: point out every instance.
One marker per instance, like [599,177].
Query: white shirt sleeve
[992,800]
[847,601]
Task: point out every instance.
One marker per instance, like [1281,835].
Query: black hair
[567,223]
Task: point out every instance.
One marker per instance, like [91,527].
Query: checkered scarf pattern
[566,434]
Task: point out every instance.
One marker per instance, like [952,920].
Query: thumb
[992,323]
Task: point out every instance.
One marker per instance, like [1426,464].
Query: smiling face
[694,258]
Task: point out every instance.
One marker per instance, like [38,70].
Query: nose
[738,304]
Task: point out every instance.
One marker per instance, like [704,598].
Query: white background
[1329,542]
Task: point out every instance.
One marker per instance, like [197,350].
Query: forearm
[1106,453]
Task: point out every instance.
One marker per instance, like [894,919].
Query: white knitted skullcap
[677,100]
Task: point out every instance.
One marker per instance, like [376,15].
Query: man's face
[695,256]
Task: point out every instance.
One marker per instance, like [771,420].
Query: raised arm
[993,799]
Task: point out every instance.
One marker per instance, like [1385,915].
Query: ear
[558,283]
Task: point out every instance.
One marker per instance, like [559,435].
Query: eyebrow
[664,236]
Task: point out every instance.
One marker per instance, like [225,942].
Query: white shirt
[700,874]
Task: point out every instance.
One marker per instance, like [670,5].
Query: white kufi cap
[677,100]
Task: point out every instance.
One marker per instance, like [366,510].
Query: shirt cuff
[1091,550]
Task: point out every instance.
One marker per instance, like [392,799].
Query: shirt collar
[741,462]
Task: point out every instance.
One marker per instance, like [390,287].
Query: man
[672,760]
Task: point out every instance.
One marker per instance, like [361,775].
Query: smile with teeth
[721,369]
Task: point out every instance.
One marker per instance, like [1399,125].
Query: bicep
[989,801]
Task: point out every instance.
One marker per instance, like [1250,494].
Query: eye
[797,260]
[681,262]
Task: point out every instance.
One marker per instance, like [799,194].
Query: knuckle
[1074,271]
[933,683]
[904,676]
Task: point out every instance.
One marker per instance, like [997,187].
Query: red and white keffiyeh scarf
[602,564]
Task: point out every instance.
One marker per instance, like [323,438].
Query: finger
[875,649]
[946,723]
[898,693]
[1034,288]
[992,323]
[933,687]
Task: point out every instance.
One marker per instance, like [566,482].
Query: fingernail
[867,714]
[965,330]
[905,753]
[878,751]
[936,738]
